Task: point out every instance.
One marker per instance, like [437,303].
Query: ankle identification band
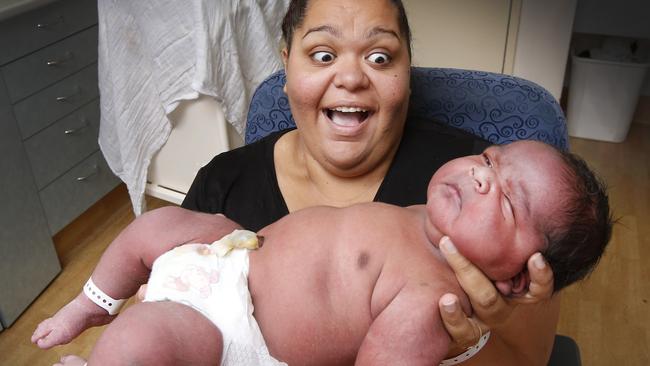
[100,298]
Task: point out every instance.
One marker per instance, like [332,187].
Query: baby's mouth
[347,116]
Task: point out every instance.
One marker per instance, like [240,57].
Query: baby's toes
[51,336]
[42,330]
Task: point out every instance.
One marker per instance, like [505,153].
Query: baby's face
[494,206]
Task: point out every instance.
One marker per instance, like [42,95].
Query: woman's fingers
[486,300]
[541,281]
[464,331]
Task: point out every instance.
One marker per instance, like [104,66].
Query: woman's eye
[323,56]
[487,160]
[378,58]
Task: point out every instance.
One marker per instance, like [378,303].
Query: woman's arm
[523,329]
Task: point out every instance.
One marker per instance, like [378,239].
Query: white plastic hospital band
[100,298]
[473,350]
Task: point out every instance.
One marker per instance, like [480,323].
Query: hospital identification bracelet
[471,351]
[101,299]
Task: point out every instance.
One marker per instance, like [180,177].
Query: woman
[347,65]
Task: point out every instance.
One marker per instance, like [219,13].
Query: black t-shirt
[242,184]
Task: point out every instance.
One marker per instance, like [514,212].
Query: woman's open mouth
[347,116]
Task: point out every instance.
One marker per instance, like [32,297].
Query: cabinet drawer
[61,146]
[28,32]
[51,64]
[72,193]
[43,108]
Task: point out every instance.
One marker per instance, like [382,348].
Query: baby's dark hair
[585,226]
[296,14]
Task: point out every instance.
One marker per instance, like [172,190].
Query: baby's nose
[482,178]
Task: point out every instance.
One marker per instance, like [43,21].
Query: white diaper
[217,287]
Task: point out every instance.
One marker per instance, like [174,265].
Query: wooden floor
[608,314]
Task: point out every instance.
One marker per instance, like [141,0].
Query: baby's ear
[514,287]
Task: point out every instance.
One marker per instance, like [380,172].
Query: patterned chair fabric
[500,108]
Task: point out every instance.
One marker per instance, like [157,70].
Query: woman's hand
[491,309]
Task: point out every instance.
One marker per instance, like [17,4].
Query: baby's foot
[71,360]
[77,316]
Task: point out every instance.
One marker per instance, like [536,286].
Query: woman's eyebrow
[337,33]
[324,28]
[381,30]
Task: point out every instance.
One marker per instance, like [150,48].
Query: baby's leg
[159,333]
[156,333]
[126,265]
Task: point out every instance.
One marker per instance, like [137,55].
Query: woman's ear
[285,61]
[285,56]
[516,286]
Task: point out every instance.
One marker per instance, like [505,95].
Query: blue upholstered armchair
[499,108]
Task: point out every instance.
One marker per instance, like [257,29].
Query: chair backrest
[500,108]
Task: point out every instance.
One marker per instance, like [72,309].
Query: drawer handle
[56,20]
[65,98]
[72,131]
[85,177]
[66,57]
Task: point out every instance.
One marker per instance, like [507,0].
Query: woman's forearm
[525,339]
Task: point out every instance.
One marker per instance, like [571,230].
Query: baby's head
[513,200]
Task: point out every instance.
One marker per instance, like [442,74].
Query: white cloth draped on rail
[153,54]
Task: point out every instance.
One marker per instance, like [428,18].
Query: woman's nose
[482,177]
[350,75]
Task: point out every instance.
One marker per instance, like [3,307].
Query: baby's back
[324,274]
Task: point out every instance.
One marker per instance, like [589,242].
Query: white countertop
[9,8]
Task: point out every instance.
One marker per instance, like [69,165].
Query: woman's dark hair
[585,225]
[296,14]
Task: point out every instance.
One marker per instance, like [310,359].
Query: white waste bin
[602,97]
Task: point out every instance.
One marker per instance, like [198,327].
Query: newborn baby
[337,286]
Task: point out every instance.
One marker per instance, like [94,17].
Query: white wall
[200,132]
[543,42]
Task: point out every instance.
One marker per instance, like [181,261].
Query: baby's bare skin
[329,284]
[326,289]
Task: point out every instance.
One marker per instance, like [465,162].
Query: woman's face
[348,83]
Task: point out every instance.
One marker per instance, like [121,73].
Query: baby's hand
[142,292]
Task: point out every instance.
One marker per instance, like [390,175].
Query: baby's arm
[126,264]
[408,331]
